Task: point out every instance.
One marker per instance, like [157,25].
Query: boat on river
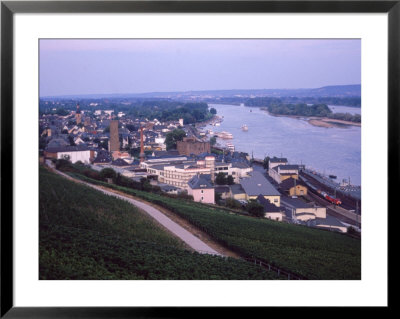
[244,128]
[224,135]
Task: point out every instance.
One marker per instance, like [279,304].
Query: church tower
[78,115]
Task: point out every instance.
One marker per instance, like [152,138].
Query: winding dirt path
[189,234]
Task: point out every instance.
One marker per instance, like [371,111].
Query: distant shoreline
[319,121]
[327,122]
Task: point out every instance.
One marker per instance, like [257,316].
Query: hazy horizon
[166,92]
[119,67]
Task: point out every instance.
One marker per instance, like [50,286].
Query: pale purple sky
[69,67]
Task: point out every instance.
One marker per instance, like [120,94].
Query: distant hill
[331,91]
[338,90]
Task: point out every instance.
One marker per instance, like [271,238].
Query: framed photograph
[164,155]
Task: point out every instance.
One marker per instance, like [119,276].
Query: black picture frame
[9,8]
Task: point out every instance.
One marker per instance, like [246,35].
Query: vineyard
[311,253]
[84,234]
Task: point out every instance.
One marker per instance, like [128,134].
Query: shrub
[255,209]
[92,174]
[220,179]
[108,173]
[184,195]
[233,203]
[63,164]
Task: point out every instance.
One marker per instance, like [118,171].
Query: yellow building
[293,187]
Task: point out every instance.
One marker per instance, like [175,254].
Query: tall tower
[114,137]
[78,115]
[141,155]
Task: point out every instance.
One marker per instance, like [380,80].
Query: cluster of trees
[161,109]
[164,110]
[222,179]
[266,162]
[232,203]
[267,101]
[213,140]
[172,137]
[345,101]
[352,101]
[61,112]
[215,151]
[346,117]
[57,111]
[255,209]
[319,110]
[262,101]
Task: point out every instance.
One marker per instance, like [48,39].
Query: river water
[330,151]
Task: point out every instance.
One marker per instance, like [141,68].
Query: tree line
[163,110]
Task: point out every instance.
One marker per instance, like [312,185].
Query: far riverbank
[327,122]
[318,121]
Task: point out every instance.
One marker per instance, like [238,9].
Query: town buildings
[174,171]
[190,145]
[276,161]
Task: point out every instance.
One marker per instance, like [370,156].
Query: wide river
[330,151]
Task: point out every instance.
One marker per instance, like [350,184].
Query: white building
[276,161]
[71,153]
[178,170]
[282,172]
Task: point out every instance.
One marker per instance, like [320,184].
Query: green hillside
[312,253]
[84,234]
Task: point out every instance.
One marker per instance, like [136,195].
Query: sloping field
[84,234]
[312,253]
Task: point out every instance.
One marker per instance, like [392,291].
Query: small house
[200,187]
